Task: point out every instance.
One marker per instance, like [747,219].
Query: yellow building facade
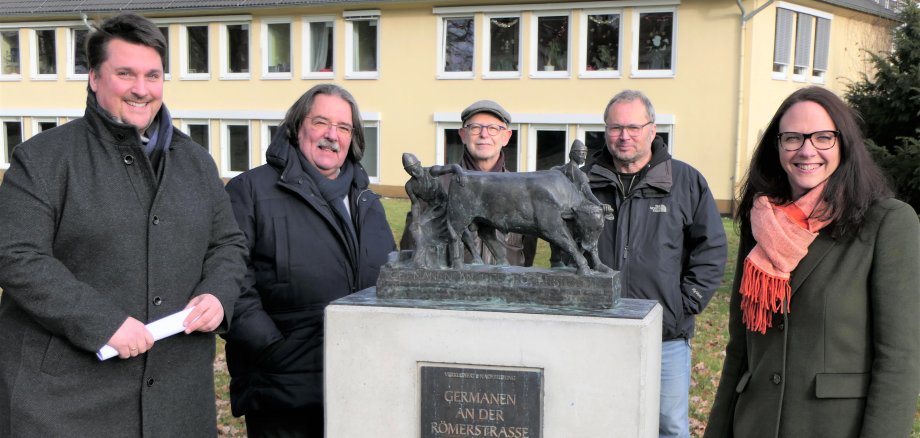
[715,70]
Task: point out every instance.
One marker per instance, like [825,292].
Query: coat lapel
[816,252]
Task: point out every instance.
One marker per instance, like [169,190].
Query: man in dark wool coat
[109,222]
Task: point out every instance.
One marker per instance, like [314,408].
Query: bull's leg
[562,238]
[456,243]
[499,254]
[471,245]
[596,262]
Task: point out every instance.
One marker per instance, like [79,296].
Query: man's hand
[131,339]
[206,316]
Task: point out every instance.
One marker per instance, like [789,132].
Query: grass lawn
[708,344]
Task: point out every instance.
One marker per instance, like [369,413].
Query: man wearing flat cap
[485,132]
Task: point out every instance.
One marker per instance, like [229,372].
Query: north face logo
[659,208]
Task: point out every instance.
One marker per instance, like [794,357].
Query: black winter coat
[298,263]
[667,241]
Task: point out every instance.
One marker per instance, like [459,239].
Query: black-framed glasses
[320,123]
[476,129]
[793,141]
[632,130]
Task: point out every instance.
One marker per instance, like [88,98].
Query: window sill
[502,75]
[276,76]
[195,77]
[319,75]
[456,75]
[599,74]
[362,75]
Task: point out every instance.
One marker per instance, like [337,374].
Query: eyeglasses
[632,130]
[793,141]
[321,124]
[493,130]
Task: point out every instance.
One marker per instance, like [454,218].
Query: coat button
[120,137]
[129,160]
[156,220]
[150,382]
[157,301]
[782,326]
[776,379]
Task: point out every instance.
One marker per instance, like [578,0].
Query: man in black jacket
[315,233]
[667,238]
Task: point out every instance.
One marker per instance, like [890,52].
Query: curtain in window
[783,43]
[822,43]
[319,37]
[803,40]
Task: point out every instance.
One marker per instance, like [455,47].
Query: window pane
[44,126]
[365,45]
[9,52]
[80,66]
[595,141]
[238,48]
[511,152]
[165,31]
[550,149]
[655,41]
[369,160]
[504,44]
[47,63]
[553,49]
[458,44]
[12,132]
[239,147]
[603,42]
[321,46]
[197,49]
[279,48]
[199,134]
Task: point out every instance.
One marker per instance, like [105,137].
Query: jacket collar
[656,175]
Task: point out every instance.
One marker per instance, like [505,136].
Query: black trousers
[305,422]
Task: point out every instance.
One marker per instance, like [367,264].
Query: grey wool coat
[88,237]
[845,361]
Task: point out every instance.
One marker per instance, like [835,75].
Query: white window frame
[169,42]
[789,71]
[442,47]
[266,137]
[71,56]
[183,53]
[308,48]
[790,37]
[186,123]
[263,46]
[532,142]
[33,52]
[13,76]
[225,147]
[350,18]
[534,48]
[487,73]
[819,78]
[583,72]
[373,124]
[223,44]
[4,148]
[637,39]
[439,140]
[37,120]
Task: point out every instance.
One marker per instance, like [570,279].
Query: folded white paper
[161,328]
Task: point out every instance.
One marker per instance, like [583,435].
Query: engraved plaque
[481,402]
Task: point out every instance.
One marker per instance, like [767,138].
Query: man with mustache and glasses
[667,238]
[108,222]
[485,132]
[315,233]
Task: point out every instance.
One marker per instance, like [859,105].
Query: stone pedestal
[483,368]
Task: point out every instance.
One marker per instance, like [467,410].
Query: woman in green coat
[824,332]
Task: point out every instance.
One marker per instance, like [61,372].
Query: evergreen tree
[890,106]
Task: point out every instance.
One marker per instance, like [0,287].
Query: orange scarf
[783,234]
